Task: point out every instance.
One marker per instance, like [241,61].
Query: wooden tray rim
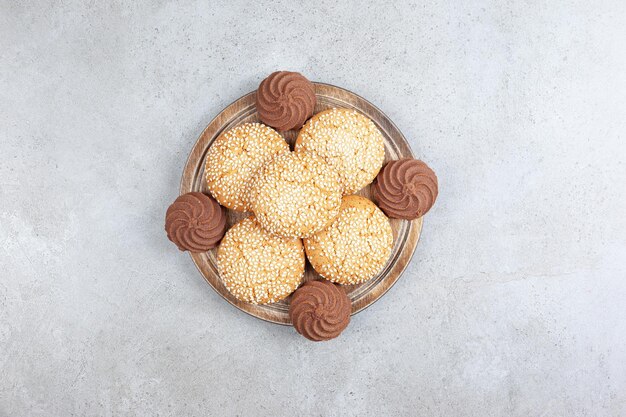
[393,270]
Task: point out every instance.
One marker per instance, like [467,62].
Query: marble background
[514,304]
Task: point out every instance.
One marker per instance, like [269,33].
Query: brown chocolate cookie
[320,310]
[406,189]
[195,222]
[285,100]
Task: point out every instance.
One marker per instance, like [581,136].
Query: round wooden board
[406,233]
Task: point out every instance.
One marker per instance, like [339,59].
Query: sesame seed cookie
[349,142]
[295,195]
[235,157]
[355,247]
[258,267]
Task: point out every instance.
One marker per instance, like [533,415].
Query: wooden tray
[406,233]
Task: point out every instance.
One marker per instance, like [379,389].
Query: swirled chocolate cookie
[406,189]
[235,157]
[195,222]
[257,266]
[356,245]
[348,141]
[320,310]
[285,100]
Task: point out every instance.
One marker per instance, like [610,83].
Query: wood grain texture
[406,233]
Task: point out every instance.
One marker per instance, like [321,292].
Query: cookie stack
[302,205]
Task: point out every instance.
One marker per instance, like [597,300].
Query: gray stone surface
[514,303]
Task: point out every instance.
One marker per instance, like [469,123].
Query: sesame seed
[235,157]
[258,267]
[348,141]
[355,247]
[295,195]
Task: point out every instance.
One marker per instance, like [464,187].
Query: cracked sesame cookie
[295,195]
[355,247]
[235,157]
[349,142]
[258,267]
